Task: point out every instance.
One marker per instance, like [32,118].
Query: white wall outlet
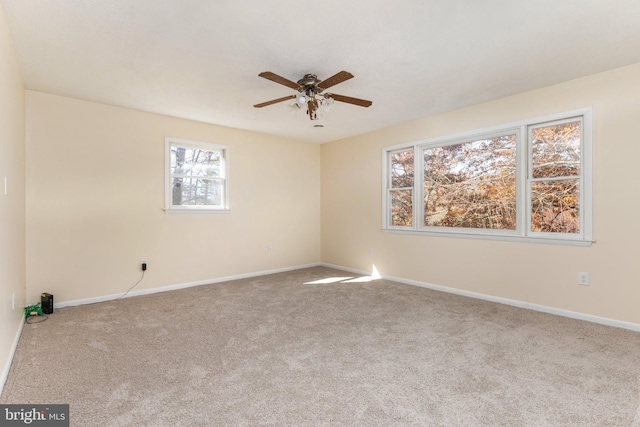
[269,250]
[13,301]
[583,278]
[370,251]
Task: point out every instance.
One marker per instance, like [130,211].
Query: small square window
[196,176]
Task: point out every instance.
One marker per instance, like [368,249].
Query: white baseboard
[180,286]
[522,304]
[12,352]
[347,269]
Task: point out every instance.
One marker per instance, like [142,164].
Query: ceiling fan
[310,92]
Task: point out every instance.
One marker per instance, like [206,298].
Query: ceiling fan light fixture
[294,107]
[325,104]
[301,99]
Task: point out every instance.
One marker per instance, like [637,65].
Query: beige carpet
[279,351]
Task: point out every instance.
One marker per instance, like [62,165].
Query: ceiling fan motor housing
[309,83]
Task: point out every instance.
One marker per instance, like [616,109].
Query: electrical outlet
[143,264]
[583,278]
[269,250]
[370,251]
[13,301]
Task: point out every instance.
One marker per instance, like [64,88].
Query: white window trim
[168,207]
[521,234]
[386,188]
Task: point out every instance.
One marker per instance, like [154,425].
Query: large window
[471,184]
[196,176]
[523,181]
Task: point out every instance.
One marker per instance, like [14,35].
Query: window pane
[195,162]
[401,207]
[555,206]
[471,185]
[556,150]
[402,169]
[196,192]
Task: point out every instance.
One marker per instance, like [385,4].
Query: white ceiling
[200,59]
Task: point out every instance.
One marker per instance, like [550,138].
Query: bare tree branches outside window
[196,175]
[402,175]
[555,178]
[471,185]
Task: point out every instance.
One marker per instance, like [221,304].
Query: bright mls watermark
[34,415]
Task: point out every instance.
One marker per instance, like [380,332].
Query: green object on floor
[35,308]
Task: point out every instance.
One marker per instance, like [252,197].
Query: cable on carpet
[36,319]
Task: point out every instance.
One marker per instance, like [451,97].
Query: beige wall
[95,193]
[533,273]
[12,229]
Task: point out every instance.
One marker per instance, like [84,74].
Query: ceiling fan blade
[349,100]
[278,79]
[274,101]
[335,79]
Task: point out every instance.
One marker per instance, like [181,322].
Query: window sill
[506,238]
[195,211]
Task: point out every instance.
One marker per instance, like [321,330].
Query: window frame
[523,232]
[531,179]
[458,141]
[169,207]
[389,189]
